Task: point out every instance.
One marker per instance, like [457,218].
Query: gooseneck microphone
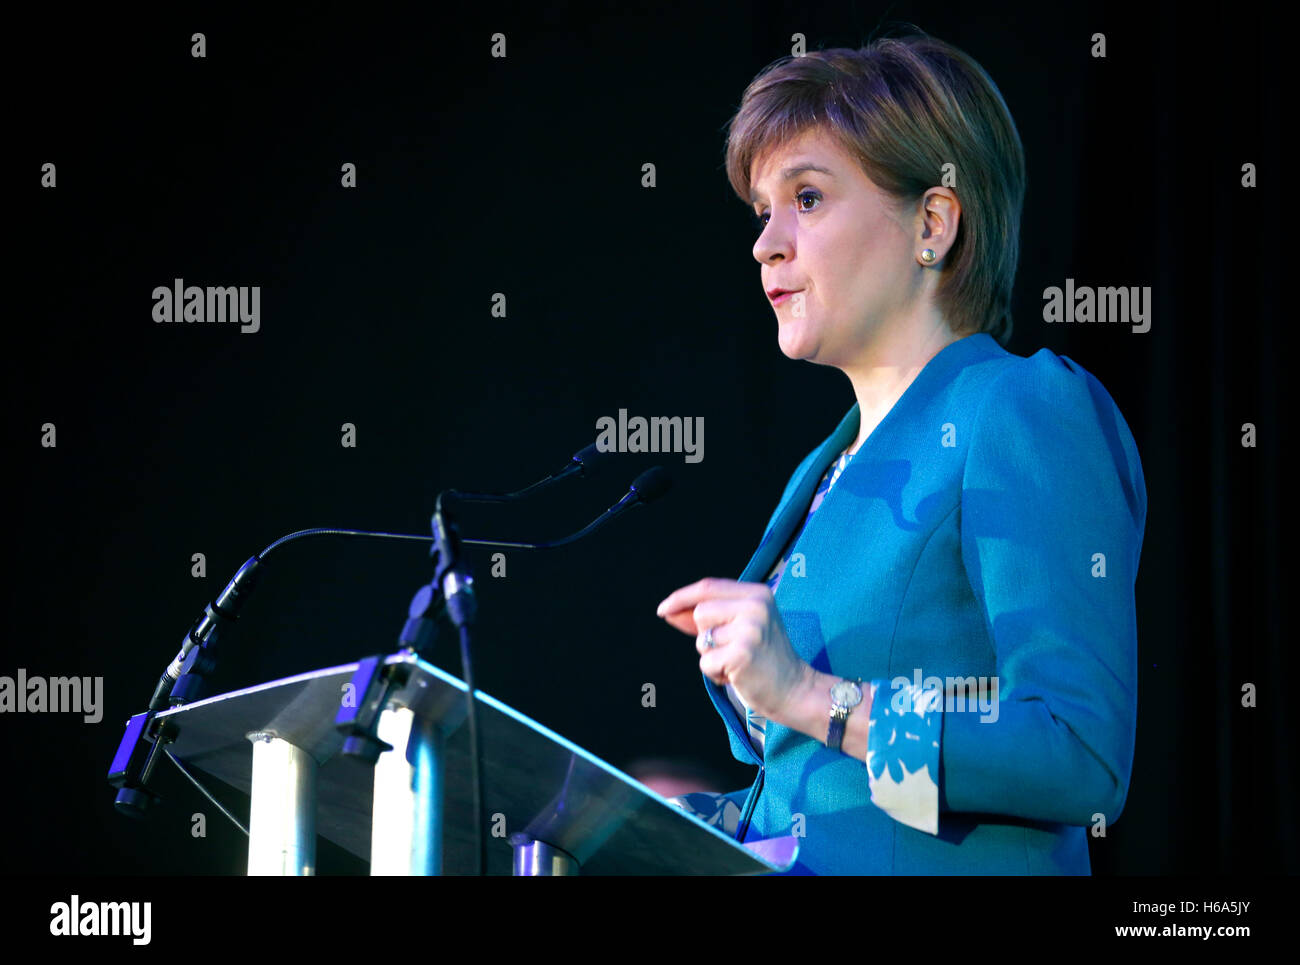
[584,463]
[646,488]
[193,659]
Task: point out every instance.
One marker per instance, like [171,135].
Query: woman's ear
[937,221]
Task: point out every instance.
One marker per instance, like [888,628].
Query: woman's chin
[793,346]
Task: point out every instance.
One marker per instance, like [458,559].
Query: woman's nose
[773,242]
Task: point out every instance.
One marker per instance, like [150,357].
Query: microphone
[652,484]
[224,610]
[583,463]
[646,488]
[216,615]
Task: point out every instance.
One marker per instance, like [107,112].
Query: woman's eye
[807,194]
[761,220]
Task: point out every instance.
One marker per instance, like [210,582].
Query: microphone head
[652,484]
[590,459]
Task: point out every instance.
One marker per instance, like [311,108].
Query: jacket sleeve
[1053,510]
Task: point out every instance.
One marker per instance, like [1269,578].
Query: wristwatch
[845,695]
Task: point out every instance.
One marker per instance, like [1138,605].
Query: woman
[932,655]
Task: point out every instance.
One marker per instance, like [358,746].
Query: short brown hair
[905,107]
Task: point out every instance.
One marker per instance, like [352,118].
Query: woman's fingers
[719,637]
[683,620]
[695,620]
[750,648]
[711,587]
[678,608]
[713,664]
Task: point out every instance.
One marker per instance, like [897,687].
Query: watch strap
[839,721]
[835,735]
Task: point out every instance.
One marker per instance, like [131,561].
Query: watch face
[846,693]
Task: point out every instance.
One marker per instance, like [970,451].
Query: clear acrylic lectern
[549,806]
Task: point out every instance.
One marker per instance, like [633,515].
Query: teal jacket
[988,530]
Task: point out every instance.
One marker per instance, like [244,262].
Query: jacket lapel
[792,511]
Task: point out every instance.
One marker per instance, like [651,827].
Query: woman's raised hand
[751,650]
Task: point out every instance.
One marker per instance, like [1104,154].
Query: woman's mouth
[781,297]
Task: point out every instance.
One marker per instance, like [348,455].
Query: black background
[523,176]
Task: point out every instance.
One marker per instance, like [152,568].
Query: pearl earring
[927,255]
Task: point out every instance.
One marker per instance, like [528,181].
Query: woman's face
[832,237]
